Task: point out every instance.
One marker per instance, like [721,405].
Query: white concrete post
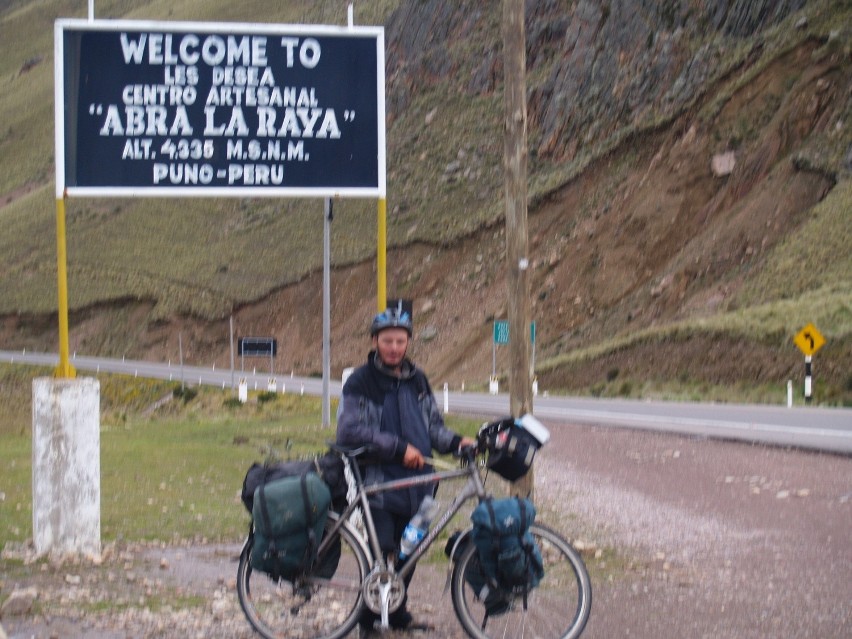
[493,386]
[446,398]
[66,466]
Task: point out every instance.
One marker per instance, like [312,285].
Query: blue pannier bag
[509,559]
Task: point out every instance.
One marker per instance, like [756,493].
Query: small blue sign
[501,332]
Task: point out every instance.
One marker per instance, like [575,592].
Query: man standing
[389,404]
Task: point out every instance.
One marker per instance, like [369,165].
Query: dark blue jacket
[390,412]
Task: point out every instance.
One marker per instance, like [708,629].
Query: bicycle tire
[318,606]
[558,608]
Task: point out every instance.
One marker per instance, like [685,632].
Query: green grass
[175,475]
[164,478]
[695,391]
[816,259]
[829,308]
[169,598]
[16,488]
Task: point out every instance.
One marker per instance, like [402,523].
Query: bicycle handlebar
[467,453]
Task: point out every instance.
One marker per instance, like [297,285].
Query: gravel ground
[683,538]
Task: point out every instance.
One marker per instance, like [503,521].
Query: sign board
[809,339]
[501,332]
[219,109]
[257,347]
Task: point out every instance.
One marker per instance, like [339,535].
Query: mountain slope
[648,268]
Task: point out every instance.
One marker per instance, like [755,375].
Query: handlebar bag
[511,450]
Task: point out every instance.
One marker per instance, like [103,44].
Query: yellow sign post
[381,255]
[809,340]
[65,369]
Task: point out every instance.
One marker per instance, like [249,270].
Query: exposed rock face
[744,17]
[609,65]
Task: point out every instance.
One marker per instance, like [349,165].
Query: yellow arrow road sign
[809,339]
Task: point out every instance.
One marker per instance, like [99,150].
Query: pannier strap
[264,512]
[312,539]
[495,538]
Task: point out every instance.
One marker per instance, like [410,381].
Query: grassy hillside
[178,253]
[636,245]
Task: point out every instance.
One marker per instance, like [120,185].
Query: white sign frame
[250,29]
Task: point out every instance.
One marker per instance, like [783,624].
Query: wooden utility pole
[517,242]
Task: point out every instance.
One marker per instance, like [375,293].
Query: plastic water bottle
[417,528]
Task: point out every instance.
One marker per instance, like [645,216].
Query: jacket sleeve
[357,425]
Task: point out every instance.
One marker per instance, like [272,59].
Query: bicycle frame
[474,487]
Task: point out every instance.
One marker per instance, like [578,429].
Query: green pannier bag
[289,516]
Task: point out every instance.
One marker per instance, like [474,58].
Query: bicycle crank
[383,593]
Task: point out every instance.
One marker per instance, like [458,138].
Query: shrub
[186,393]
[232,402]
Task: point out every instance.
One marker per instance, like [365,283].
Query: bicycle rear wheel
[323,605]
[558,608]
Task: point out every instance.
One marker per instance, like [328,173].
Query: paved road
[828,429]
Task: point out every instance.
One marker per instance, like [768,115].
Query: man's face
[391,345]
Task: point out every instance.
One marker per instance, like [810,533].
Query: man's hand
[466,441]
[413,458]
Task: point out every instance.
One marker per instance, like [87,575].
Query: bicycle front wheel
[558,608]
[323,605]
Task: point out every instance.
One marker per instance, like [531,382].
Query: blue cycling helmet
[391,318]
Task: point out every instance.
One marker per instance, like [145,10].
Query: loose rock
[20,602]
